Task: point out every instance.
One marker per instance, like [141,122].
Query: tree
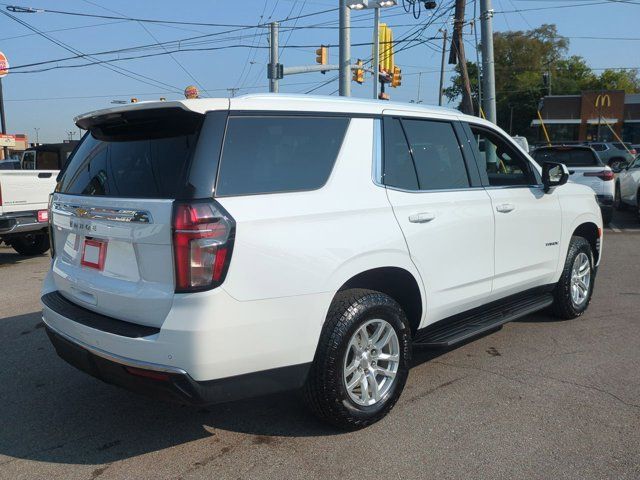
[521,59]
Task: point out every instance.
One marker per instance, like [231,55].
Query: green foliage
[521,58]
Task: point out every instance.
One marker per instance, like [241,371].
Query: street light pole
[376,50]
[273,81]
[444,51]
[37,135]
[345,50]
[488,70]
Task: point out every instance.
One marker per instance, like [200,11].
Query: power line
[144,27]
[122,71]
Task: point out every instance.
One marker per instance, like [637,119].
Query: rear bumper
[605,200]
[20,222]
[170,383]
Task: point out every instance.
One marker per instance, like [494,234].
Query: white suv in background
[627,193]
[208,250]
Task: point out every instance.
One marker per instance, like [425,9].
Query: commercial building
[589,116]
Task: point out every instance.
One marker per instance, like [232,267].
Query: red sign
[4,65]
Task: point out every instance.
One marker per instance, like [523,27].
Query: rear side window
[578,157]
[145,156]
[423,155]
[598,147]
[437,155]
[271,154]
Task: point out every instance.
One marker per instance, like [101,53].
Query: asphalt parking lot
[541,399]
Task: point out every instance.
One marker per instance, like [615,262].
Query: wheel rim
[371,362]
[580,279]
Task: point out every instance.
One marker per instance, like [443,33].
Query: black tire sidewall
[396,319]
[27,246]
[578,245]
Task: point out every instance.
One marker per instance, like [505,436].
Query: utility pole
[345,50]
[273,58]
[5,150]
[376,50]
[232,91]
[488,64]
[37,135]
[444,51]
[457,53]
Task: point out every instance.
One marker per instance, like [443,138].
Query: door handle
[422,217]
[506,207]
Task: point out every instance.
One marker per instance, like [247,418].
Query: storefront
[591,116]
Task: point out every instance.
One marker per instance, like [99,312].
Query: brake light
[203,234]
[43,216]
[633,151]
[605,175]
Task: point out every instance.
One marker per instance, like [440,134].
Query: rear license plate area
[94,253]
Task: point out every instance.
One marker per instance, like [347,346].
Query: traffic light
[322,55]
[396,78]
[358,73]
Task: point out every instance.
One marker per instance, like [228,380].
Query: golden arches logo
[603,101]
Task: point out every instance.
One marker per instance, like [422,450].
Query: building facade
[600,115]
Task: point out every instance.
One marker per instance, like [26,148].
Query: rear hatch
[583,163]
[112,212]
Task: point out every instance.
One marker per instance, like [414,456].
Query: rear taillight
[633,151]
[605,175]
[203,234]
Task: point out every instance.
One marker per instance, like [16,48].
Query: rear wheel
[31,244]
[572,293]
[362,361]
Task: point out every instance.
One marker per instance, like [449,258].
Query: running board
[459,328]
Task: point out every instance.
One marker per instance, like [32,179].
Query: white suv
[208,250]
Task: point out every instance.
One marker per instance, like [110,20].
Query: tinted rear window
[141,156]
[271,154]
[570,157]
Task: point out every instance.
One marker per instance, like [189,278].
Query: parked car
[614,154]
[10,164]
[586,168]
[24,217]
[627,187]
[213,249]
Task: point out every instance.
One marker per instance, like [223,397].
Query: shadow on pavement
[53,413]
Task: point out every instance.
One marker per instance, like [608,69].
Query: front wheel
[572,293]
[31,244]
[362,361]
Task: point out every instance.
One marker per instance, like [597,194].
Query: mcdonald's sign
[603,101]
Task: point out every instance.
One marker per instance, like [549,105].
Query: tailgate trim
[60,305]
[102,213]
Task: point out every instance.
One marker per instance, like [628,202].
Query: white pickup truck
[24,219]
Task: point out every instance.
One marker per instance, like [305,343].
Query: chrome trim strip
[117,358]
[101,213]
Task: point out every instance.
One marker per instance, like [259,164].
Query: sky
[44,103]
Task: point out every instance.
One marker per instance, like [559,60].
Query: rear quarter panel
[312,242]
[24,190]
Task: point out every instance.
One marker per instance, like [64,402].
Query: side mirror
[554,174]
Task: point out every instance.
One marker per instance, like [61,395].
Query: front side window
[503,164]
[423,155]
[273,154]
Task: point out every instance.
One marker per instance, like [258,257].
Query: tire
[31,244]
[326,392]
[618,204]
[565,305]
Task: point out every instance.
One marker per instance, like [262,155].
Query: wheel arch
[592,233]
[397,282]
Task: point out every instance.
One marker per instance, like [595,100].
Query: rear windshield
[270,154]
[144,154]
[575,157]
